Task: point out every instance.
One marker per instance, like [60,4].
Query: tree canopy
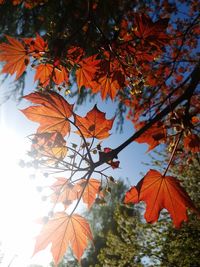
[142,55]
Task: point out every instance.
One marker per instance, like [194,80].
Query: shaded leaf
[192,143]
[151,32]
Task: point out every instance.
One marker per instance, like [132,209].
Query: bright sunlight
[20,203]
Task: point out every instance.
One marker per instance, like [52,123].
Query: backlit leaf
[36,46]
[94,124]
[153,136]
[15,56]
[91,189]
[64,191]
[108,86]
[51,112]
[86,72]
[47,72]
[63,231]
[161,192]
[51,146]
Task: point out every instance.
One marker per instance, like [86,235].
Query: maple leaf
[50,145]
[15,56]
[36,46]
[153,136]
[151,32]
[47,72]
[109,86]
[51,112]
[91,189]
[86,72]
[192,143]
[75,54]
[64,191]
[161,192]
[63,231]
[94,124]
[60,75]
[43,73]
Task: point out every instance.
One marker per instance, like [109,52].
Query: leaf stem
[173,152]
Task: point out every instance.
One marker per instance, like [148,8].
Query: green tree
[122,247]
[135,243]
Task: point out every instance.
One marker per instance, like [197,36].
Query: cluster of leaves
[150,67]
[27,3]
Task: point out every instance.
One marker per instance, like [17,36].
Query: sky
[20,203]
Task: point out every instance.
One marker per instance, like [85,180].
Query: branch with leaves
[146,65]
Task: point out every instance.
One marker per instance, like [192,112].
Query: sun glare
[20,204]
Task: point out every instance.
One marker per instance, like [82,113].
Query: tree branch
[195,78]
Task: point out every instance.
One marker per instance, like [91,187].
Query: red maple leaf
[94,124]
[36,46]
[192,143]
[161,192]
[151,33]
[153,136]
[85,73]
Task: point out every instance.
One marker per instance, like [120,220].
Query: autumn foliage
[149,66]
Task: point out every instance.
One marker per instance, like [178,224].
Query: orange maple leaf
[15,55]
[43,73]
[161,192]
[108,86]
[47,72]
[153,136]
[63,231]
[94,124]
[91,189]
[51,112]
[64,191]
[36,46]
[86,72]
